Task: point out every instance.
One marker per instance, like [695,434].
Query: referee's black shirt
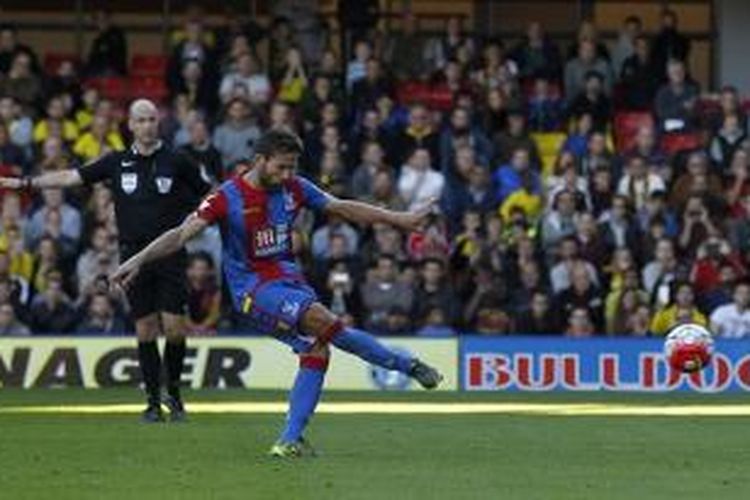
[152,193]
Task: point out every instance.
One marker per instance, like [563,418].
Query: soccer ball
[688,348]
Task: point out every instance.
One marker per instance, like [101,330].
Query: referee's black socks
[148,357]
[174,359]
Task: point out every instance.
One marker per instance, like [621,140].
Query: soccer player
[154,189]
[255,211]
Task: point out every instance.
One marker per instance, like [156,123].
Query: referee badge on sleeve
[129,182]
[164,184]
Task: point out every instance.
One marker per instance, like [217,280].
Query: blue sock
[303,398]
[367,347]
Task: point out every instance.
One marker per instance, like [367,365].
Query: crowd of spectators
[588,239]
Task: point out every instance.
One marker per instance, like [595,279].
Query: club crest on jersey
[129,182]
[164,184]
[289,202]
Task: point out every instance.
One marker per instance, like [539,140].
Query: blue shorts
[276,307]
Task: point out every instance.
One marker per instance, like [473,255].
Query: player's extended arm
[366,214]
[166,244]
[60,179]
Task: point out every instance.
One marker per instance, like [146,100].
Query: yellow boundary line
[399,408]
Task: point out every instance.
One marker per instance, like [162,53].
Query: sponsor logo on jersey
[271,240]
[289,202]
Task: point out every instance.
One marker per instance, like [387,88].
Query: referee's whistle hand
[11,183]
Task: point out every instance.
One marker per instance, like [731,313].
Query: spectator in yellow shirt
[681,309]
[85,115]
[101,139]
[55,123]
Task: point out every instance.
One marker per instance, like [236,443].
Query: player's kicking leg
[320,323]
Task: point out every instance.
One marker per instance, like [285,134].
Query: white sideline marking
[403,408]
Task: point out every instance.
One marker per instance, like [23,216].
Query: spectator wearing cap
[236,135]
[680,310]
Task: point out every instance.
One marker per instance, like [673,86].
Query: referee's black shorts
[160,285]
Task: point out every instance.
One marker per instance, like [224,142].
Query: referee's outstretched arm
[61,179]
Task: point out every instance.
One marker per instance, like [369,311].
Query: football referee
[154,189]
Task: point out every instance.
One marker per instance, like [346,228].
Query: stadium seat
[409,92]
[52,61]
[549,144]
[627,125]
[112,88]
[440,98]
[149,87]
[683,141]
[148,65]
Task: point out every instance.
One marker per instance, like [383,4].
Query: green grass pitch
[365,456]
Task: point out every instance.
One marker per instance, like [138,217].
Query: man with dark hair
[154,189]
[256,210]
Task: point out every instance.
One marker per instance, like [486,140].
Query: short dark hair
[278,141]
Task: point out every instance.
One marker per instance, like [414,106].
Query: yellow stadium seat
[549,144]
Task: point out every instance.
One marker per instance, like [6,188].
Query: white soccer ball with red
[688,348]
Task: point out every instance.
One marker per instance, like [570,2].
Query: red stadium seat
[112,88]
[440,98]
[409,92]
[52,61]
[627,125]
[148,65]
[682,141]
[149,87]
